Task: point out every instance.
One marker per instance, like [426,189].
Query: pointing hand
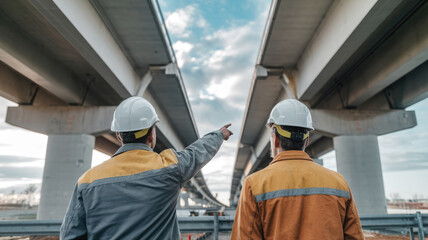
[226,132]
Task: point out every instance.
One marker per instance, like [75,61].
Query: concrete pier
[358,160]
[67,157]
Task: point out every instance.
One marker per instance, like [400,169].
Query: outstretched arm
[199,153]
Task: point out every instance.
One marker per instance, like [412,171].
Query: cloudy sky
[216,43]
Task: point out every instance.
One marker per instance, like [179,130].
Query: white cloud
[182,52]
[218,172]
[10,183]
[235,41]
[37,163]
[226,58]
[16,141]
[225,87]
[179,21]
[217,74]
[202,95]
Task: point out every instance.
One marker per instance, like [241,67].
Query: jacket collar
[132,146]
[291,155]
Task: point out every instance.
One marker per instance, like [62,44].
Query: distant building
[20,198]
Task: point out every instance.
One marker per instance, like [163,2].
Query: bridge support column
[320,161]
[71,131]
[186,200]
[354,134]
[67,157]
[358,160]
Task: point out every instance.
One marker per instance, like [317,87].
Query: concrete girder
[144,84]
[285,76]
[314,137]
[106,146]
[348,24]
[81,25]
[290,26]
[204,194]
[261,72]
[328,124]
[320,147]
[404,51]
[410,89]
[166,81]
[62,119]
[82,120]
[260,110]
[165,126]
[112,138]
[21,90]
[25,57]
[351,122]
[136,37]
[250,165]
[262,147]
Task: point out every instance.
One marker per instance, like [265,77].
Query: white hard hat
[291,112]
[132,114]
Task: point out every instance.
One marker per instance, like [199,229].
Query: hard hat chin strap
[141,133]
[295,136]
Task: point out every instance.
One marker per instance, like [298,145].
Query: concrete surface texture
[358,160]
[67,157]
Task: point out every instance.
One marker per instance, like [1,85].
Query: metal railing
[216,224]
[391,221]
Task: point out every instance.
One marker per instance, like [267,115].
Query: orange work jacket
[295,198]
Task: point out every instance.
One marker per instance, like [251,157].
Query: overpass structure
[357,65]
[69,63]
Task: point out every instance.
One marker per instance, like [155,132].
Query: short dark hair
[288,143]
[129,137]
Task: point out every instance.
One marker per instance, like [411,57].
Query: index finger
[227,125]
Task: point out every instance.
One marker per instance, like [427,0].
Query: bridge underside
[68,63]
[357,66]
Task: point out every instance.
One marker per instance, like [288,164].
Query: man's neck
[277,151]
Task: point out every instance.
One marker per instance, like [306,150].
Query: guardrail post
[412,234]
[420,225]
[216,226]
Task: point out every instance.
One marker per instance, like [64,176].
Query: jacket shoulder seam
[119,179]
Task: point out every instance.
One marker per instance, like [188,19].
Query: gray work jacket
[134,194]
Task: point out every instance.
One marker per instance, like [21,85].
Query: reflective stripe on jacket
[134,194]
[295,198]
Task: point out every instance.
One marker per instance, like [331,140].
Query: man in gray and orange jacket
[295,198]
[134,194]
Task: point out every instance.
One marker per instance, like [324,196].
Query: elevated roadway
[357,65]
[69,63]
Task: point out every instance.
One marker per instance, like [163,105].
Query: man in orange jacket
[295,198]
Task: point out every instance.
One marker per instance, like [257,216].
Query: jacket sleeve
[248,224]
[74,223]
[197,154]
[352,226]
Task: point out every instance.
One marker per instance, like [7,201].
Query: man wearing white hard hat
[295,198]
[134,194]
